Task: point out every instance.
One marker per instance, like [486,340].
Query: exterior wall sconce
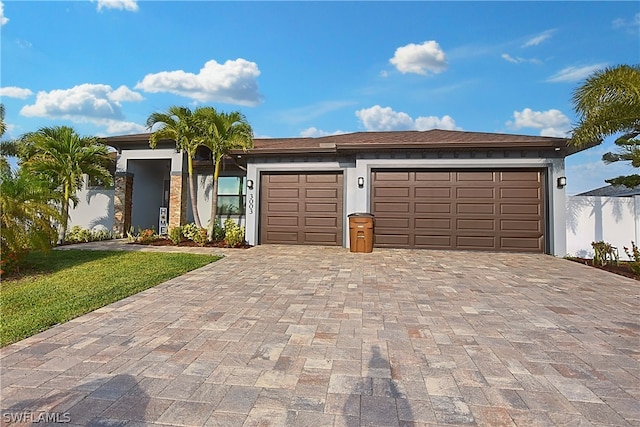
[360,181]
[562,182]
[250,184]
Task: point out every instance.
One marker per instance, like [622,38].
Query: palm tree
[178,125]
[61,156]
[3,124]
[27,218]
[221,132]
[607,103]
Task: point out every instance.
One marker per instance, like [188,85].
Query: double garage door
[479,210]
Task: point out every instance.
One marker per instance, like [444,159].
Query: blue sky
[315,68]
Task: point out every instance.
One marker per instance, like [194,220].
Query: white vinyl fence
[615,220]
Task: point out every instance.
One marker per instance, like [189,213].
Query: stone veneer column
[178,199]
[122,202]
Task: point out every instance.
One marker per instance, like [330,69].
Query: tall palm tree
[221,132]
[177,124]
[61,156]
[27,218]
[608,102]
[3,124]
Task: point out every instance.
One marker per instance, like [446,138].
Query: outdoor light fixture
[250,184]
[360,181]
[562,181]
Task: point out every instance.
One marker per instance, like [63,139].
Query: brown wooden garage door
[301,208]
[481,210]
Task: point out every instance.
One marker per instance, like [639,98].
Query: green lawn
[61,285]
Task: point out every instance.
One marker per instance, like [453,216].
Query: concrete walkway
[317,336]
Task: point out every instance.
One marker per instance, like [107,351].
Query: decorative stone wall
[122,202]
[178,199]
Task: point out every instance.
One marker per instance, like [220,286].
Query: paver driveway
[318,336]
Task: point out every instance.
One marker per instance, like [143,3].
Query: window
[231,194]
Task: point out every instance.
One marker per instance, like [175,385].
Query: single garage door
[301,208]
[501,210]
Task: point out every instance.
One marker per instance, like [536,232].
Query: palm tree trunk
[214,198]
[192,194]
[64,214]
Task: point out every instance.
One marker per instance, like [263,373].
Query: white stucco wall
[615,220]
[95,207]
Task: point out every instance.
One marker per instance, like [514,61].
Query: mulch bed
[621,269]
[191,244]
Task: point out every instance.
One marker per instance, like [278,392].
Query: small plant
[190,231]
[604,253]
[200,238]
[78,234]
[132,237]
[218,231]
[175,235]
[634,258]
[9,263]
[147,235]
[233,233]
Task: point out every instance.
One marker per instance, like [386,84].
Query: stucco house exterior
[427,189]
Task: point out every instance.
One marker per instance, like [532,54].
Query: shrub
[604,253]
[78,234]
[218,231]
[634,258]
[147,235]
[233,234]
[190,231]
[201,237]
[175,234]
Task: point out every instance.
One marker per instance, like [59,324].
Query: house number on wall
[250,203]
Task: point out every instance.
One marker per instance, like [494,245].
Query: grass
[61,285]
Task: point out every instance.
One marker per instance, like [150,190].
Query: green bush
[78,234]
[201,237]
[175,234]
[190,231]
[604,253]
[218,231]
[634,258]
[233,233]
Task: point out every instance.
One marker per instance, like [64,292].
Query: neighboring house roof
[431,139]
[612,191]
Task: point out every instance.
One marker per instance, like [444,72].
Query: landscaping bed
[190,243]
[622,268]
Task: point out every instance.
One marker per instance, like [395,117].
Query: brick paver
[297,336]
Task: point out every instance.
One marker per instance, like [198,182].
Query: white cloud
[130,5]
[3,19]
[423,58]
[313,132]
[518,59]
[15,92]
[233,82]
[632,25]
[551,122]
[536,40]
[575,74]
[377,118]
[93,103]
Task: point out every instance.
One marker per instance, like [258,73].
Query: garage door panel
[520,193]
[391,192]
[475,193]
[520,225]
[432,223]
[433,176]
[475,176]
[283,193]
[283,221]
[463,209]
[520,209]
[433,241]
[321,193]
[391,176]
[475,224]
[432,208]
[431,192]
[476,242]
[475,208]
[392,207]
[381,223]
[301,208]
